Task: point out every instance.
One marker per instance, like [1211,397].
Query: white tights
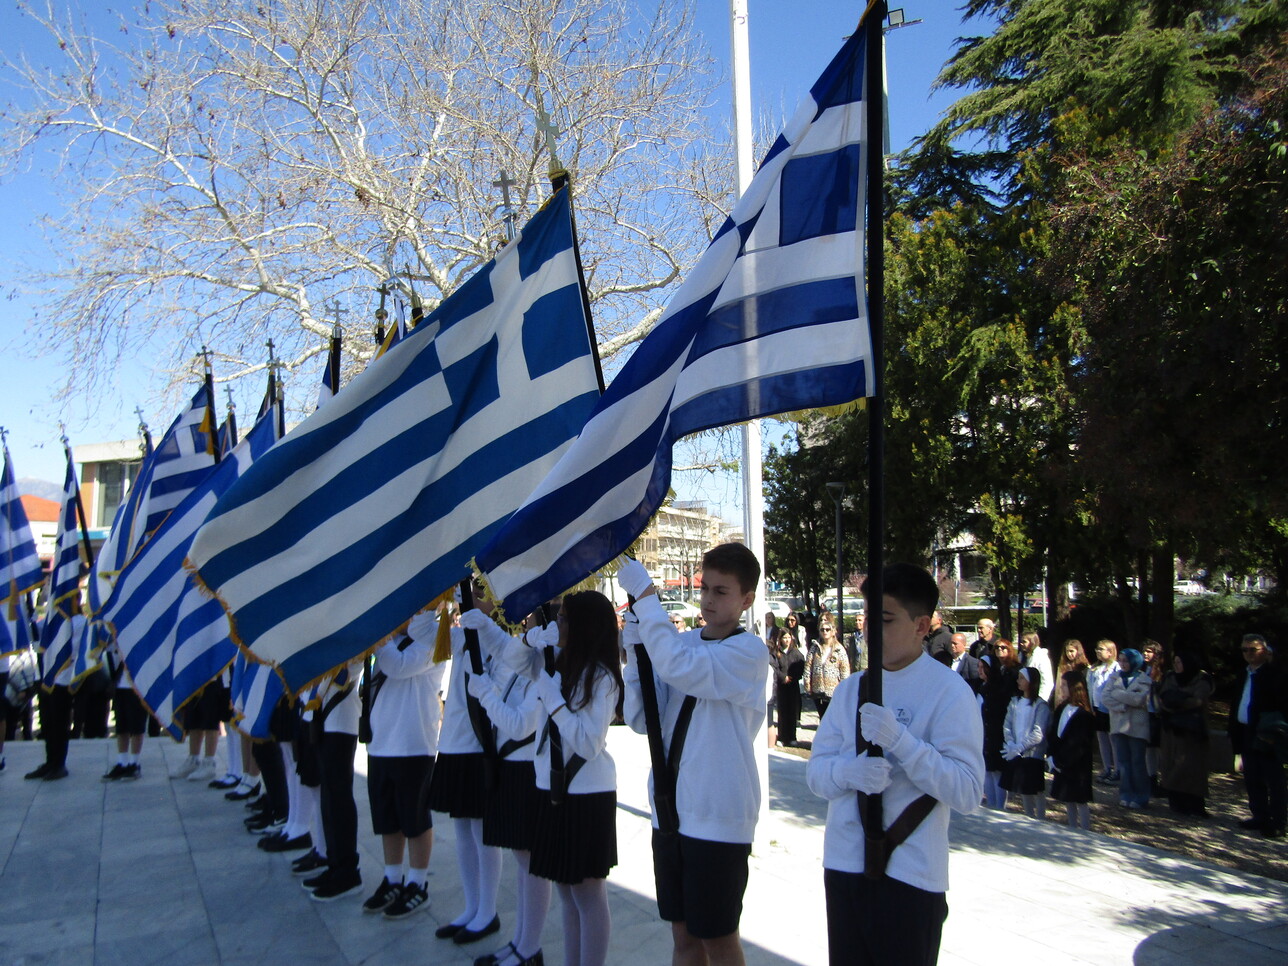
[587,925]
[480,869]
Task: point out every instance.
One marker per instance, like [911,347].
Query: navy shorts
[398,790]
[700,883]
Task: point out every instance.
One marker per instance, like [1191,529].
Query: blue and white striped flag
[772,319]
[15,632]
[331,371]
[375,504]
[256,689]
[64,587]
[185,456]
[171,635]
[20,569]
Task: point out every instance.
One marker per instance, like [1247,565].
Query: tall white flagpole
[753,490]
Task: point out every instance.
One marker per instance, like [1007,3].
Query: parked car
[780,609]
[853,605]
[681,608]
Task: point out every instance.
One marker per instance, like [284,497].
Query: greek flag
[773,318]
[20,569]
[184,457]
[256,689]
[64,588]
[331,371]
[171,635]
[374,505]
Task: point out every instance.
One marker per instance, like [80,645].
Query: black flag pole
[81,519]
[873,819]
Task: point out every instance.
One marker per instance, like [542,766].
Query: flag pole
[80,505]
[873,820]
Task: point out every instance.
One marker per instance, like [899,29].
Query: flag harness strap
[370,691]
[511,745]
[561,772]
[666,761]
[878,848]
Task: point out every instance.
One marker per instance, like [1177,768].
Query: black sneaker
[337,885]
[410,898]
[260,806]
[116,774]
[133,772]
[308,863]
[39,772]
[382,898]
[308,885]
[55,773]
[280,843]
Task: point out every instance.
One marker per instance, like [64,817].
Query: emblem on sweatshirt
[903,716]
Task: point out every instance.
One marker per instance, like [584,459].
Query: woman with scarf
[1126,696]
[1183,705]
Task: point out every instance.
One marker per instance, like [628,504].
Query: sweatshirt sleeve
[830,744]
[633,699]
[416,658]
[517,717]
[585,731]
[950,766]
[734,670]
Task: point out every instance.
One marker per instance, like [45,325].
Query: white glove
[863,774]
[1010,752]
[634,578]
[879,726]
[549,691]
[548,636]
[475,620]
[423,626]
[479,685]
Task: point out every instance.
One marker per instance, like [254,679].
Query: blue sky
[791,42]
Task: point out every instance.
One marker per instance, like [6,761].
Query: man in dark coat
[1256,714]
[939,640]
[964,664]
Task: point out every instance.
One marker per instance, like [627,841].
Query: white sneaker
[190,764]
[204,772]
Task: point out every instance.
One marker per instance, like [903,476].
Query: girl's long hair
[590,646]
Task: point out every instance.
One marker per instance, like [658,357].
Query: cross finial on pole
[231,405]
[339,313]
[205,358]
[546,128]
[270,352]
[505,183]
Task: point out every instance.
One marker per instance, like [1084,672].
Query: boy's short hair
[913,588]
[735,560]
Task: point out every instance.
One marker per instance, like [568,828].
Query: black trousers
[334,755]
[56,724]
[882,922]
[1265,781]
[272,771]
[789,712]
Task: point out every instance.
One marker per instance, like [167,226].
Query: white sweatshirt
[458,736]
[405,716]
[512,706]
[718,790]
[584,732]
[940,755]
[343,718]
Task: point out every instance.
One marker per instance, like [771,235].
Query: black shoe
[116,774]
[474,935]
[1273,833]
[228,781]
[55,773]
[410,898]
[40,772]
[260,806]
[1251,824]
[280,843]
[243,793]
[447,931]
[309,863]
[132,772]
[383,897]
[491,959]
[337,885]
[264,825]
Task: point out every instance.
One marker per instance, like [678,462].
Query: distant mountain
[30,486]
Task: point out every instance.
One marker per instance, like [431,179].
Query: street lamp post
[837,492]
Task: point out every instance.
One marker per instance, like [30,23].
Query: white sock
[532,904]
[418,877]
[132,758]
[394,874]
[123,759]
[232,744]
[467,863]
[490,859]
[312,808]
